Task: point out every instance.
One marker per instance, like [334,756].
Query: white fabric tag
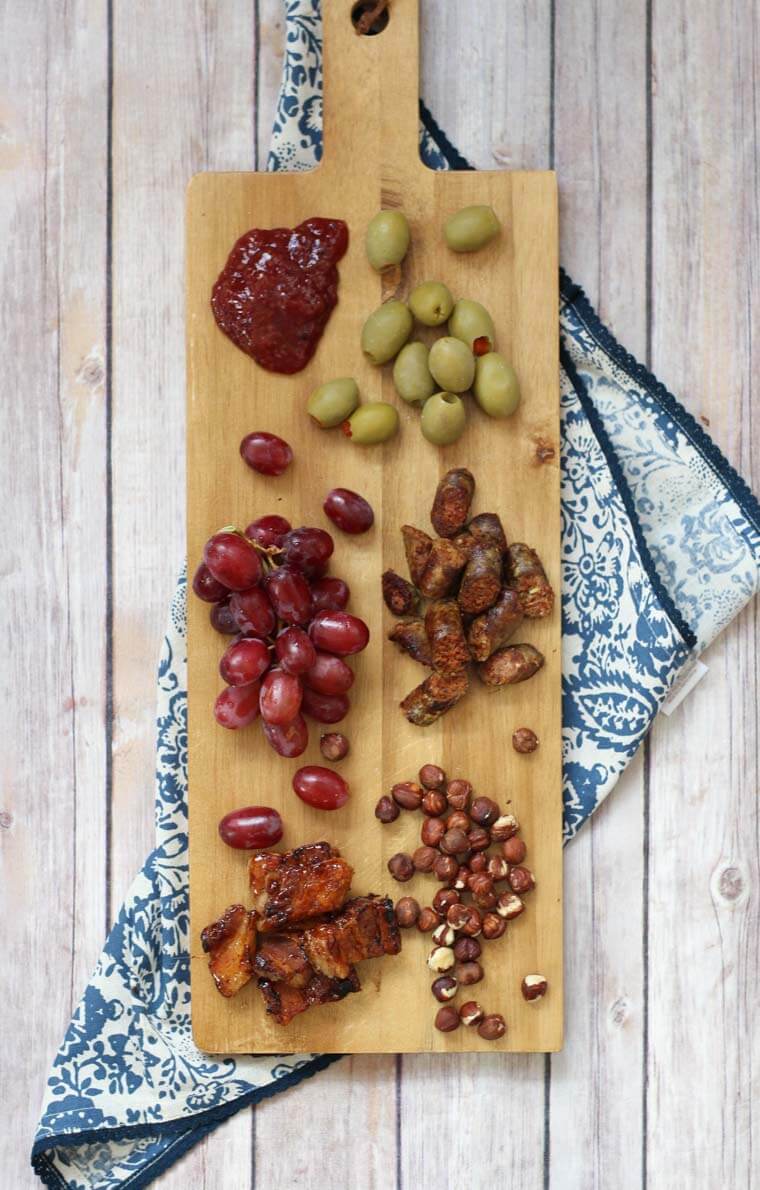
[693,671]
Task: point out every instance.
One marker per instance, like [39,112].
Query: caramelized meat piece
[417,546]
[481,582]
[307,882]
[436,695]
[411,638]
[444,566]
[493,629]
[452,502]
[487,527]
[528,577]
[465,543]
[399,595]
[506,667]
[284,1002]
[443,625]
[280,957]
[364,929]
[230,943]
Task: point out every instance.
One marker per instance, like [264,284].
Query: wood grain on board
[371,160]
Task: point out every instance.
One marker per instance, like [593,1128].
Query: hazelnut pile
[473,850]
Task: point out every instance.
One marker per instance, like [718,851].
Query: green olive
[443,418]
[470,321]
[372,423]
[333,402]
[386,331]
[411,374]
[471,228]
[387,239]
[496,388]
[431,303]
[452,364]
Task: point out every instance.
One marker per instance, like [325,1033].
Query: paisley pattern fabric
[660,549]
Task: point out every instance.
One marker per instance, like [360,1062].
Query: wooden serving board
[371,161]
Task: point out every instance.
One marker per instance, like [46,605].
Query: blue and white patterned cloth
[660,550]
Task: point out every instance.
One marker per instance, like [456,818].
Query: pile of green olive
[432,379]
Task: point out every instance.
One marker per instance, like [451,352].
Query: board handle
[370,98]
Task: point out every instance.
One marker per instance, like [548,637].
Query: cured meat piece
[487,527]
[451,505]
[493,628]
[443,625]
[230,943]
[481,582]
[399,595]
[411,638]
[307,881]
[528,577]
[444,566]
[417,546]
[436,695]
[364,929]
[280,957]
[284,1002]
[512,664]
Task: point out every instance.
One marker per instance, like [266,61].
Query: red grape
[237,706]
[222,619]
[339,632]
[325,708]
[251,826]
[349,511]
[294,650]
[268,531]
[308,550]
[329,594]
[206,587]
[266,453]
[232,560]
[320,787]
[244,661]
[289,741]
[329,675]
[280,698]
[290,595]
[253,612]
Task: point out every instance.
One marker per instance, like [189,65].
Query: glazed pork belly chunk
[230,943]
[364,929]
[296,885]
[284,1002]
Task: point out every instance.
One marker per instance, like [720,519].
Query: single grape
[232,560]
[251,826]
[308,550]
[222,619]
[294,650]
[325,708]
[253,612]
[289,741]
[237,706]
[349,511]
[320,787]
[329,594]
[289,593]
[268,531]
[244,661]
[329,675]
[333,745]
[339,632]
[206,587]
[266,453]
[280,697]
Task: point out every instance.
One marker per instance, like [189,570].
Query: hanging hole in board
[370,17]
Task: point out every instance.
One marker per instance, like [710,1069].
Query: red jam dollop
[278,289]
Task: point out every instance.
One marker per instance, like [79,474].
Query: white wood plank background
[649,111]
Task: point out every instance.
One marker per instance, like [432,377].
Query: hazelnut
[433,830]
[424,858]
[453,841]
[478,838]
[504,827]
[480,883]
[443,935]
[497,868]
[444,899]
[447,1019]
[434,803]
[524,740]
[444,988]
[401,867]
[445,866]
[408,795]
[427,920]
[458,821]
[466,950]
[468,973]
[479,862]
[458,794]
[509,905]
[432,777]
[514,851]
[521,880]
[465,919]
[471,1013]
[533,987]
[492,1027]
[486,900]
[463,858]
[333,745]
[460,880]
[387,810]
[493,926]
[441,958]
[407,912]
[484,811]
